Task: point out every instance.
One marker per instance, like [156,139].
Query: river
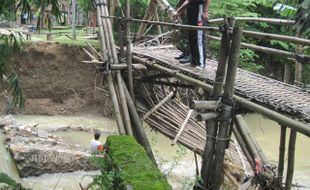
[175,161]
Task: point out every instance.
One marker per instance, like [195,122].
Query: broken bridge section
[276,95]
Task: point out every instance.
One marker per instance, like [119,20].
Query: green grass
[134,167]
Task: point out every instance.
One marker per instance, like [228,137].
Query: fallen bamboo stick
[190,112]
[158,105]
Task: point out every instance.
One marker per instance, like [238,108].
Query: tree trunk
[73,19]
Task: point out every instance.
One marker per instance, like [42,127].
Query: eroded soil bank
[55,81]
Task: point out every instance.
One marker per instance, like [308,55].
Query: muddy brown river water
[175,161]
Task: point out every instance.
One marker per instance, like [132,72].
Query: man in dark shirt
[197,14]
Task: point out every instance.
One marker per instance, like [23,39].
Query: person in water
[96,146]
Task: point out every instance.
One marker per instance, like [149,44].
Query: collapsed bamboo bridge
[288,99]
[198,108]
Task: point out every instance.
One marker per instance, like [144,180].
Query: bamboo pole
[210,105]
[223,137]
[255,19]
[188,27]
[129,53]
[266,49]
[101,33]
[262,35]
[124,106]
[106,49]
[138,130]
[165,6]
[281,153]
[94,51]
[207,116]
[73,19]
[269,36]
[147,16]
[158,105]
[157,19]
[251,144]
[287,73]
[243,146]
[120,40]
[211,126]
[298,65]
[117,113]
[273,115]
[291,160]
[104,10]
[189,114]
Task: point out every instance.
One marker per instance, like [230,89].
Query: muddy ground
[55,81]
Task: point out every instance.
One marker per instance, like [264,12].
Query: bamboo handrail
[270,36]
[255,34]
[253,19]
[266,49]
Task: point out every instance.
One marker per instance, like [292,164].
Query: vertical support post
[117,112]
[120,39]
[281,153]
[227,107]
[73,19]
[138,130]
[107,49]
[298,65]
[124,106]
[211,126]
[287,73]
[291,160]
[129,53]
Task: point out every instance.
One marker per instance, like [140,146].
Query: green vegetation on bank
[126,164]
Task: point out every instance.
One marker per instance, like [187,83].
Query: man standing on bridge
[197,14]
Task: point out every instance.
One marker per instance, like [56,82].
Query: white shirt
[94,144]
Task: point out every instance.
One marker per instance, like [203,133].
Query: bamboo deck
[278,96]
